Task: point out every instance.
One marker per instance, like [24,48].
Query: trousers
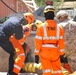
[8,47]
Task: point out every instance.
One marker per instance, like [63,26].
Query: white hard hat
[61,13]
[49,8]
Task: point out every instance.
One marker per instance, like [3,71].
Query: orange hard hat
[29,17]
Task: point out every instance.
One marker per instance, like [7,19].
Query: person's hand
[63,58]
[26,28]
[36,59]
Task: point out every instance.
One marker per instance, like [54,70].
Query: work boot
[67,67]
[12,73]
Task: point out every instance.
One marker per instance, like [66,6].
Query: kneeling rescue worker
[19,48]
[49,44]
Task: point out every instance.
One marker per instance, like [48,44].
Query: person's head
[49,12]
[36,25]
[29,17]
[62,15]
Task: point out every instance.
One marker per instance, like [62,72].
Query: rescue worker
[20,48]
[13,26]
[49,44]
[64,20]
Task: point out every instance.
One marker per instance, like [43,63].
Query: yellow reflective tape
[17,50]
[17,59]
[16,66]
[49,10]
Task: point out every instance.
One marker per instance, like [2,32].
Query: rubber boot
[67,67]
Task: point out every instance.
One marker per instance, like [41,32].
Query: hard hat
[29,17]
[61,13]
[49,8]
[38,23]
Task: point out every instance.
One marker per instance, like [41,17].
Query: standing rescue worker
[13,26]
[20,48]
[49,44]
[64,20]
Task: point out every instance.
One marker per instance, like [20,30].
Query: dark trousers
[8,47]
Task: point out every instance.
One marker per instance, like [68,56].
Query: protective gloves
[25,28]
[63,58]
[36,59]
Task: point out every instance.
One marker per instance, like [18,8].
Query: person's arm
[19,34]
[61,42]
[38,44]
[26,30]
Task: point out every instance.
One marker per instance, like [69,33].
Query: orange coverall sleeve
[61,41]
[38,41]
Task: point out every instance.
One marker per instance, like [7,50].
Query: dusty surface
[3,60]
[4,73]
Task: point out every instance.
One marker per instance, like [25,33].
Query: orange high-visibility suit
[49,42]
[19,61]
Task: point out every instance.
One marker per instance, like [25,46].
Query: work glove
[25,28]
[63,58]
[36,59]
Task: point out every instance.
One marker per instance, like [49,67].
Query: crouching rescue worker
[20,50]
[62,16]
[12,26]
[49,44]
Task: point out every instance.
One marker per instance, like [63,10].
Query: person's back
[9,27]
